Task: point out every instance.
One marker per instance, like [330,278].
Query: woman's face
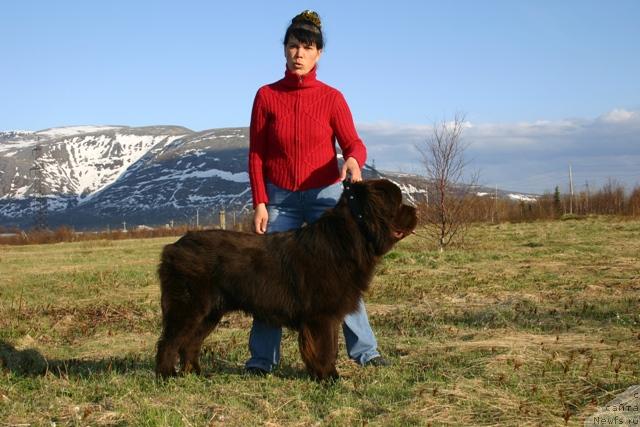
[301,58]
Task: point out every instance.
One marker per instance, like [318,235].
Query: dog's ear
[388,190]
[404,216]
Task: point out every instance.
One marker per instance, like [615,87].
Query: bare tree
[634,201]
[449,195]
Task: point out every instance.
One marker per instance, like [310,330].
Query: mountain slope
[99,176]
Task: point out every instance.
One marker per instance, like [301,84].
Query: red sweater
[294,124]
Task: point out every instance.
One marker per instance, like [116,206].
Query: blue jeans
[289,210]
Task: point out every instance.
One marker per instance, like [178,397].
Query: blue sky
[401,65]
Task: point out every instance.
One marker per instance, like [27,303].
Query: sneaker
[377,361]
[256,372]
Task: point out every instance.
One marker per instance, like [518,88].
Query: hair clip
[311,16]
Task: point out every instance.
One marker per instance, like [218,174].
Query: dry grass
[528,324]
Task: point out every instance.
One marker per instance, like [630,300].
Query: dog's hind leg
[190,350]
[174,332]
[179,322]
[167,353]
[318,343]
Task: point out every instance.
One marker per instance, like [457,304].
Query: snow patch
[16,145]
[74,130]
[522,197]
[229,176]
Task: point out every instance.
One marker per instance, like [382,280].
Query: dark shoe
[377,361]
[256,372]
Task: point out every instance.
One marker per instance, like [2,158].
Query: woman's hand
[260,218]
[351,165]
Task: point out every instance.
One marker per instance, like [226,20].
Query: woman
[294,172]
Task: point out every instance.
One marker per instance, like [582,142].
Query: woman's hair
[307,28]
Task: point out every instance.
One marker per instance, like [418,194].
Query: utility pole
[570,190]
[586,184]
[495,206]
[223,222]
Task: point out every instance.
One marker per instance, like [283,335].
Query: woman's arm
[353,149]
[258,150]
[257,153]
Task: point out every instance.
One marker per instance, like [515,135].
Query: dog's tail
[175,273]
[182,261]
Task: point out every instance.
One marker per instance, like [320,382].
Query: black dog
[307,279]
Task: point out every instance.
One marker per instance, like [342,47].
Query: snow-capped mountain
[72,163]
[92,176]
[96,176]
[201,171]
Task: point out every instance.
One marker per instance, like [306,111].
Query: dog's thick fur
[307,279]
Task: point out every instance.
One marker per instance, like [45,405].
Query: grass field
[528,324]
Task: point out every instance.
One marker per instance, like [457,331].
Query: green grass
[527,324]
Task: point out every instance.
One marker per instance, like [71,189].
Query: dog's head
[377,206]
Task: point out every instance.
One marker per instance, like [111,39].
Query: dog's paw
[164,374]
[330,377]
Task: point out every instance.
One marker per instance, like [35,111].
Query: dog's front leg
[318,342]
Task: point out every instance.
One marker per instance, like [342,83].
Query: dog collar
[354,205]
[356,209]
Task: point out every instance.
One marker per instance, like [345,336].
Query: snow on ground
[522,197]
[74,130]
[408,188]
[15,146]
[90,163]
[194,152]
[57,203]
[12,133]
[226,136]
[183,175]
[211,200]
[512,196]
[96,166]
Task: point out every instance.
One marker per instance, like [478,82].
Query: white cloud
[619,116]
[526,156]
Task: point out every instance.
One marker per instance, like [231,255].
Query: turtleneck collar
[295,81]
